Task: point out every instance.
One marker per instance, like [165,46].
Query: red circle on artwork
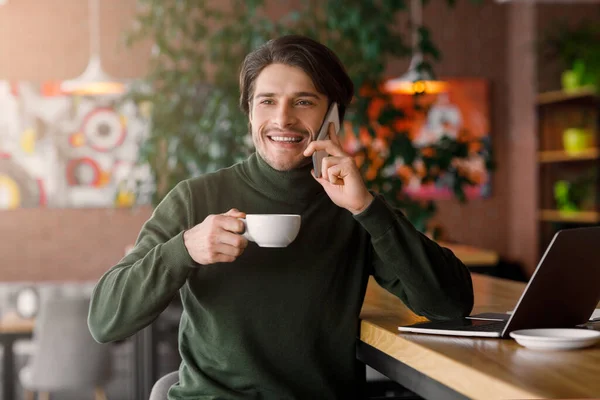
[77,163]
[94,114]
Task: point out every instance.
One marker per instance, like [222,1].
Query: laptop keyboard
[491,326]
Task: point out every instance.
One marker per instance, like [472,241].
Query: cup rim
[274,215]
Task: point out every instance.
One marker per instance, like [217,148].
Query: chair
[162,386]
[66,355]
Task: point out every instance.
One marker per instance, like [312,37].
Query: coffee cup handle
[246,234]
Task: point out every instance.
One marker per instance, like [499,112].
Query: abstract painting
[63,151]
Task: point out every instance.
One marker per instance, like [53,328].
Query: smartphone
[332,117]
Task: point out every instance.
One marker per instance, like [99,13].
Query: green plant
[199,45]
[578,48]
[576,193]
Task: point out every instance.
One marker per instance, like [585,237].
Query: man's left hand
[340,176]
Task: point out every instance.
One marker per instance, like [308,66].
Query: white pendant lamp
[93,81]
[415,80]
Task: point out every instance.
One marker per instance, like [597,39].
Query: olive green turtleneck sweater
[278,323]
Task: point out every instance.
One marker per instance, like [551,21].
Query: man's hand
[340,176]
[217,239]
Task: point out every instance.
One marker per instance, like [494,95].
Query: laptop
[562,293]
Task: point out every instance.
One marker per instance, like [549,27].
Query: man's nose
[285,115]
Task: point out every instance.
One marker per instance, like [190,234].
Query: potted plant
[580,137]
[578,48]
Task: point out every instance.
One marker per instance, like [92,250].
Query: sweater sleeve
[131,294]
[428,278]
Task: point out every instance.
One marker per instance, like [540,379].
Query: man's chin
[288,165]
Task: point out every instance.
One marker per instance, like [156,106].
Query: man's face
[286,114]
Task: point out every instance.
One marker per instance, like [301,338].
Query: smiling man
[282,323]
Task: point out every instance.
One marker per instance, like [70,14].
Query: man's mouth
[286,139]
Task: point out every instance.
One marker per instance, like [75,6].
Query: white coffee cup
[271,230]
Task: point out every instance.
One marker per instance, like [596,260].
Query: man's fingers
[327,163]
[335,174]
[234,212]
[228,250]
[233,240]
[327,145]
[229,222]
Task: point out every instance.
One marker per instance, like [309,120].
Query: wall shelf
[551,156]
[590,217]
[558,111]
[559,96]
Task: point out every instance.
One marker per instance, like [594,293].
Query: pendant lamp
[93,81]
[415,80]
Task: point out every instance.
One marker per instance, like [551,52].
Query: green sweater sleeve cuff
[378,218]
[176,256]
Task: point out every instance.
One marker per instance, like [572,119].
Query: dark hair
[318,61]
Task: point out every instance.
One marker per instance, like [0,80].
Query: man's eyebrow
[296,94]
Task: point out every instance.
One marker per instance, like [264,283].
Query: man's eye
[267,101]
[304,103]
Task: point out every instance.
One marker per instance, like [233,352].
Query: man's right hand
[217,239]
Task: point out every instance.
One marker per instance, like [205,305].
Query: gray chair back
[161,387]
[66,355]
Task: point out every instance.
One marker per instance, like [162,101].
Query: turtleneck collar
[297,185]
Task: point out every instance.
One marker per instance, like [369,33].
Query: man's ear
[250,111]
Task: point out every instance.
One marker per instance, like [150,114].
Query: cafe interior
[106,104]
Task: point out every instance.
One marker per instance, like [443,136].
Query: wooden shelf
[569,216]
[561,155]
[559,96]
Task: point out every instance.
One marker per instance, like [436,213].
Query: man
[280,323]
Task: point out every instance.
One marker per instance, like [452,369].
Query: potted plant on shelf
[193,86]
[579,137]
[578,48]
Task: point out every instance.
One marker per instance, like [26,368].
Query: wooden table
[472,256]
[457,367]
[12,328]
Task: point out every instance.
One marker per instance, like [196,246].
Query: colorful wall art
[62,151]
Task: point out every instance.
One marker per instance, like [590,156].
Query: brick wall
[65,244]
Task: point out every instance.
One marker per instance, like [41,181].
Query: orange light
[97,88]
[418,87]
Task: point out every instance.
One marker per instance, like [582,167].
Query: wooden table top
[12,323]
[482,368]
[472,256]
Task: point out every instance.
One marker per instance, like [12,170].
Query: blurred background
[478,118]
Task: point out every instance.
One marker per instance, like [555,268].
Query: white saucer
[556,339]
